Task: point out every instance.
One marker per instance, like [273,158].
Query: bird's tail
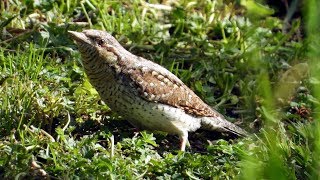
[222,125]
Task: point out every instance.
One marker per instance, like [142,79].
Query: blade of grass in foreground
[313,27]
[276,154]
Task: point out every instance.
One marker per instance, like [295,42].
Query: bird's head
[95,42]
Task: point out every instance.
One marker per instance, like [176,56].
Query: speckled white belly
[162,117]
[149,115]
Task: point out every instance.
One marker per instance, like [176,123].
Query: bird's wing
[157,84]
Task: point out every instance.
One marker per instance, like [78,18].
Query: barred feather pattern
[143,92]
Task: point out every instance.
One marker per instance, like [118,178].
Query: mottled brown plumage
[154,86]
[145,93]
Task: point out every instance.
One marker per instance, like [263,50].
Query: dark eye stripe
[101,42]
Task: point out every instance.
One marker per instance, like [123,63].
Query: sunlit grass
[314,53]
[243,65]
[279,153]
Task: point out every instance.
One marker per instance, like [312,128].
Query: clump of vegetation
[260,70]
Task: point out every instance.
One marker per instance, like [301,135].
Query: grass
[249,65]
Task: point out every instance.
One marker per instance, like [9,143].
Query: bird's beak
[79,37]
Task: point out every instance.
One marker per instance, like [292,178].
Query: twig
[112,146]
[158,6]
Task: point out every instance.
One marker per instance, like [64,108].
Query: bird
[146,94]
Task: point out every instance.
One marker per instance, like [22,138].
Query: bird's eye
[100,42]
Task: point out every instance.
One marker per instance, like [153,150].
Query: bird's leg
[184,141]
[188,144]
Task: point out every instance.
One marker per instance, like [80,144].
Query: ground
[241,57]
